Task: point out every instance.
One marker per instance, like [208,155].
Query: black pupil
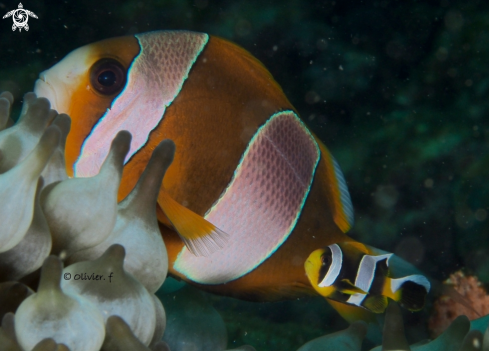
[107,78]
[326,260]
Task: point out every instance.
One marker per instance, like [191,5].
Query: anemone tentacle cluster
[121,260]
[114,254]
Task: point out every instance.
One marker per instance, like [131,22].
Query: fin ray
[339,197]
[201,237]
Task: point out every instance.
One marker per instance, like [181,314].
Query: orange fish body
[244,161]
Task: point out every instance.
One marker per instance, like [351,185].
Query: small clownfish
[345,272]
[251,191]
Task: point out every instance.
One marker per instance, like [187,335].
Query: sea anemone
[114,254]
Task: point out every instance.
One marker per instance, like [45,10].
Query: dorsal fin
[338,196]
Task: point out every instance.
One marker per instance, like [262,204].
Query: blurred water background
[398,90]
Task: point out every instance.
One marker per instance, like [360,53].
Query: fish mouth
[43,88]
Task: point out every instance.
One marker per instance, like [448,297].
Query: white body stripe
[365,276]
[366,270]
[155,78]
[262,204]
[335,268]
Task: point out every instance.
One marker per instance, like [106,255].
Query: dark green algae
[398,90]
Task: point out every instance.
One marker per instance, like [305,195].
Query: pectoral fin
[347,287]
[199,235]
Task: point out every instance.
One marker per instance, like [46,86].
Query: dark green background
[398,90]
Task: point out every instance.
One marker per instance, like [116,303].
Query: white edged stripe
[262,203]
[335,268]
[415,278]
[366,271]
[344,194]
[365,276]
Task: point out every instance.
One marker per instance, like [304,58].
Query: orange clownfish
[251,191]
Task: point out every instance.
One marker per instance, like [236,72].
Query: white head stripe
[335,268]
[154,80]
[366,270]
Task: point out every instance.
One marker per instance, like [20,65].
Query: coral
[473,302]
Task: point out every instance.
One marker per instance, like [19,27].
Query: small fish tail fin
[410,291]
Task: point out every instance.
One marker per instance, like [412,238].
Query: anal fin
[201,237]
[352,313]
[375,303]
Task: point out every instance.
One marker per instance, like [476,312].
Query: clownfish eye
[107,76]
[326,259]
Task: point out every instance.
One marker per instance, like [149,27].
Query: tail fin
[411,291]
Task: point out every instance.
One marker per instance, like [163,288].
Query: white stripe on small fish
[365,276]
